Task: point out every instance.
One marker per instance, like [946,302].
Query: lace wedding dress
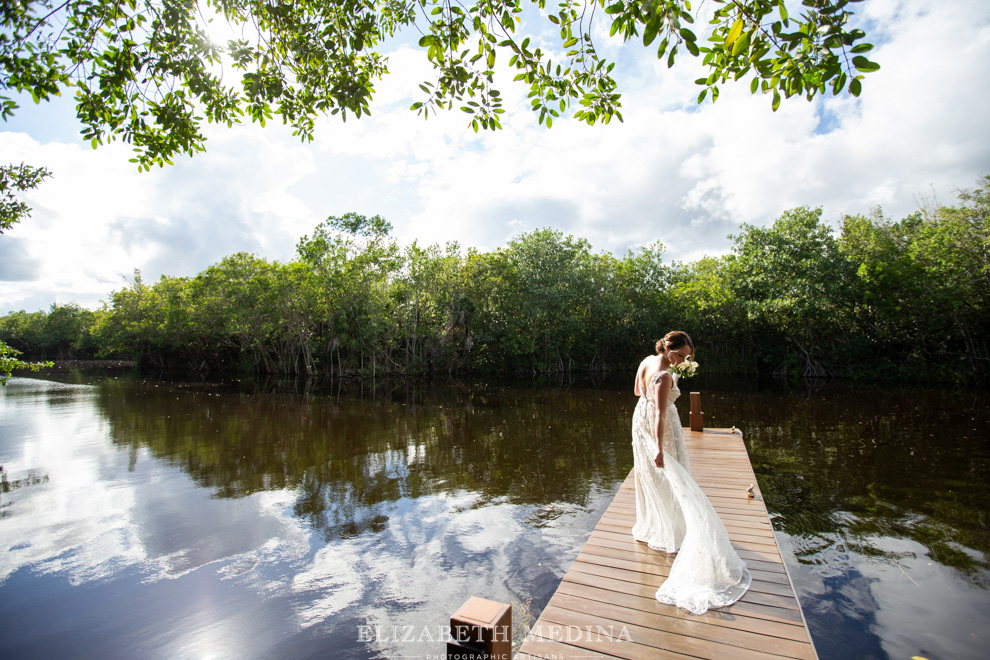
[674,515]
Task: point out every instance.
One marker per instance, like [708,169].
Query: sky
[685,174]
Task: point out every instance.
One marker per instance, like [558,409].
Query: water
[250,520]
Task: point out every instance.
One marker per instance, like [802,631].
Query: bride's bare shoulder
[647,368]
[650,362]
[641,372]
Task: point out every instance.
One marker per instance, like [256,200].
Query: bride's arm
[661,392]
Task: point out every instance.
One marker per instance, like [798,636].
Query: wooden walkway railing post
[481,630]
[697,417]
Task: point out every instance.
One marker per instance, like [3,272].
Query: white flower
[685,369]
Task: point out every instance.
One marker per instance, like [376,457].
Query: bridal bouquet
[685,369]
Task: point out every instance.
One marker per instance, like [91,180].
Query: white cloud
[97,218]
[674,171]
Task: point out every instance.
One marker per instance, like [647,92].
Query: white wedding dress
[674,515]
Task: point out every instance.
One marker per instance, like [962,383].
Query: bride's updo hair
[674,340]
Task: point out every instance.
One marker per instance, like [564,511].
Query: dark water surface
[152,519]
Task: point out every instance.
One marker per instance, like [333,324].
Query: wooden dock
[605,605]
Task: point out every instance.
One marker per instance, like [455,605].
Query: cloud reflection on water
[78,523]
[104,510]
[892,591]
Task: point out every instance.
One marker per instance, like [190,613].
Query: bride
[672,512]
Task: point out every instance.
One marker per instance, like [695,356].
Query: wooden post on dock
[697,417]
[481,630]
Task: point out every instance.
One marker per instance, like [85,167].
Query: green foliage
[432,309]
[147,72]
[702,297]
[10,363]
[14,179]
[68,332]
[794,283]
[925,282]
[134,323]
[64,332]
[23,331]
[551,286]
[617,315]
[806,55]
[890,284]
[354,263]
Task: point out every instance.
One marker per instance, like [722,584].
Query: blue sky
[683,174]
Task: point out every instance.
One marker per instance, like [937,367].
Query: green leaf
[840,82]
[663,48]
[650,32]
[742,43]
[776,100]
[865,65]
[855,87]
[734,33]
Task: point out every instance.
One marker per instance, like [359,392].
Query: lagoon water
[161,519]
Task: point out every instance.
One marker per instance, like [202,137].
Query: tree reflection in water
[348,456]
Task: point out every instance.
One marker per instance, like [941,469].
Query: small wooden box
[483,623]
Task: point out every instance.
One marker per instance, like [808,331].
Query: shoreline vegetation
[874,299]
[95,363]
